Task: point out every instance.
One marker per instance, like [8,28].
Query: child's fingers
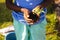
[27,19]
[30,22]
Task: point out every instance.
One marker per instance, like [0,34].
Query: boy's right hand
[26,15]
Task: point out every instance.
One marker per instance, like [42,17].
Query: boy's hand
[57,1]
[26,15]
[37,11]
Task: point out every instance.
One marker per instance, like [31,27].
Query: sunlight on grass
[1,37]
[5,24]
[2,1]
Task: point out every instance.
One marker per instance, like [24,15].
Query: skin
[57,1]
[26,15]
[25,11]
[14,7]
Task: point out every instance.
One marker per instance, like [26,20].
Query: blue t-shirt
[29,4]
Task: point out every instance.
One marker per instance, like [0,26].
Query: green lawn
[2,1]
[5,16]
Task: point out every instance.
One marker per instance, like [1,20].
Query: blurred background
[52,28]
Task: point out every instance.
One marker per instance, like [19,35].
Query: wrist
[22,9]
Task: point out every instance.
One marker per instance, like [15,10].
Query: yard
[6,20]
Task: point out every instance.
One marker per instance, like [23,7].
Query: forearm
[12,6]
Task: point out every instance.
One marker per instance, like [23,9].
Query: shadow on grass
[5,14]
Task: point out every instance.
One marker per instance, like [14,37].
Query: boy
[25,27]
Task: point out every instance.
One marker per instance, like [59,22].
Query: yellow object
[37,10]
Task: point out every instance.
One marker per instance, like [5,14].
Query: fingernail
[31,23]
[27,15]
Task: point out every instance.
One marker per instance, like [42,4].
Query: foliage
[1,37]
[51,33]
[5,18]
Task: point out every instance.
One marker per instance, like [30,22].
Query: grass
[2,1]
[5,16]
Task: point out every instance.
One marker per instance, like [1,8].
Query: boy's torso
[29,4]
